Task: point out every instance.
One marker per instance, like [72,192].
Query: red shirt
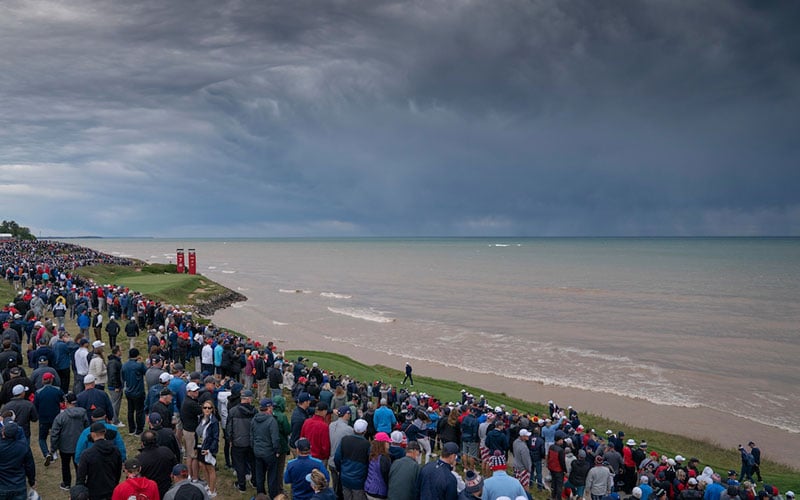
[316,431]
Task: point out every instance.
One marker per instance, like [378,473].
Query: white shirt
[81,363]
[207,355]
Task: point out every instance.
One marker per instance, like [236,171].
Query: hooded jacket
[100,468]
[157,462]
[133,486]
[238,425]
[284,428]
[67,428]
[16,462]
[264,436]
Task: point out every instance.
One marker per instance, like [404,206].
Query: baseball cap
[383,437]
[164,378]
[303,397]
[265,403]
[48,376]
[247,393]
[302,444]
[450,448]
[97,427]
[525,433]
[18,389]
[180,470]
[191,386]
[89,379]
[71,397]
[155,418]
[132,465]
[343,410]
[360,426]
[98,343]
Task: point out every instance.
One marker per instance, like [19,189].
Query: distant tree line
[16,230]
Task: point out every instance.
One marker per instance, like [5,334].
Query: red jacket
[316,431]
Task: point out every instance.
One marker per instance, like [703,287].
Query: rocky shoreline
[208,307]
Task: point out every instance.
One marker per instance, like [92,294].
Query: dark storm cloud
[374,118]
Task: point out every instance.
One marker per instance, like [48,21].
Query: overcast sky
[380,118]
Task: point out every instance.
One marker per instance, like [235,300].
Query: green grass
[156,281]
[719,459]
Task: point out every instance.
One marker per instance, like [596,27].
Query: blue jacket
[296,472]
[16,463]
[211,440]
[90,399]
[84,321]
[111,434]
[64,352]
[133,375]
[48,403]
[384,420]
[436,482]
[351,459]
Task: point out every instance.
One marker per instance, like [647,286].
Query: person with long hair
[319,483]
[208,445]
[377,484]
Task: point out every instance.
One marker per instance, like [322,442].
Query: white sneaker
[55,455]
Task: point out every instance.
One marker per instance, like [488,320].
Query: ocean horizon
[679,321]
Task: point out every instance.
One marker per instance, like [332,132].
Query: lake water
[682,322]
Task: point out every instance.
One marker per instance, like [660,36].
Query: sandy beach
[699,423]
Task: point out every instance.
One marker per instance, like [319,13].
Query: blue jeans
[537,470]
[44,431]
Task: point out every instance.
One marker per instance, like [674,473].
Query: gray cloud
[400,118]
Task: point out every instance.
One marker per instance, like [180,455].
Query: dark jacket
[436,482]
[190,413]
[133,375]
[496,440]
[264,435]
[537,448]
[99,469]
[210,441]
[166,437]
[132,329]
[112,328]
[469,429]
[275,378]
[91,399]
[25,413]
[16,462]
[577,474]
[67,428]
[238,425]
[351,459]
[157,462]
[114,371]
[299,417]
[47,402]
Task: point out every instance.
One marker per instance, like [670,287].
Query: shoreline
[704,424]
